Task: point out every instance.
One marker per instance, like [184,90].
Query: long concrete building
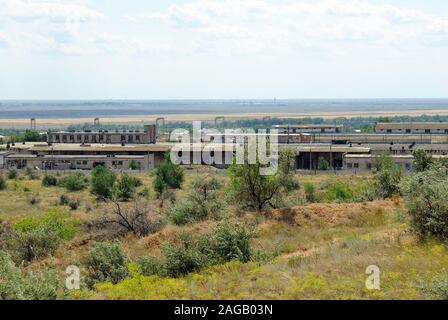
[124,151]
[148,136]
[413,127]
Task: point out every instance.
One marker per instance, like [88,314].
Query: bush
[64,200]
[102,182]
[422,160]
[74,204]
[338,191]
[36,243]
[33,200]
[134,165]
[125,187]
[323,164]
[437,288]
[310,192]
[37,237]
[427,203]
[227,242]
[3,183]
[49,180]
[106,262]
[11,287]
[182,259]
[149,266]
[12,174]
[74,182]
[387,177]
[203,201]
[42,285]
[168,176]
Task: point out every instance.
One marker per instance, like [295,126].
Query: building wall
[146,137]
[364,164]
[146,162]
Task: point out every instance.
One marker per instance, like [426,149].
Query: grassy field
[306,250]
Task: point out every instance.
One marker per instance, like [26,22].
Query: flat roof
[412,125]
[307,126]
[33,156]
[101,147]
[366,156]
[329,148]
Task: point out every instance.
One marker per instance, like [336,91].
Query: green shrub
[36,243]
[202,201]
[102,182]
[310,192]
[74,182]
[182,259]
[11,286]
[134,165]
[42,285]
[33,200]
[49,181]
[338,191]
[323,164]
[64,200]
[106,262]
[149,266]
[12,174]
[227,242]
[426,195]
[3,184]
[125,187]
[437,288]
[168,176]
[387,177]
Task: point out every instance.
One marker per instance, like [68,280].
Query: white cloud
[249,26]
[332,28]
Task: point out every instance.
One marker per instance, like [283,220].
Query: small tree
[49,180]
[422,160]
[387,177]
[252,190]
[102,182]
[168,176]
[125,187]
[287,160]
[74,182]
[323,164]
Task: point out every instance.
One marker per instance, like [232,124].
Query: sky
[223,49]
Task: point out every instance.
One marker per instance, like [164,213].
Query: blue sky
[218,49]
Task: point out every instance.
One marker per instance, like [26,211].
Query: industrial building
[413,127]
[350,152]
[308,128]
[148,136]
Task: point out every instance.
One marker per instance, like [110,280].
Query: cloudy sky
[188,49]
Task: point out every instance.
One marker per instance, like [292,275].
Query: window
[389,131]
[137,138]
[427,131]
[356,165]
[408,130]
[369,166]
[408,167]
[84,162]
[349,165]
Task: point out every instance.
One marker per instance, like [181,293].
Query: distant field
[63,113]
[140,119]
